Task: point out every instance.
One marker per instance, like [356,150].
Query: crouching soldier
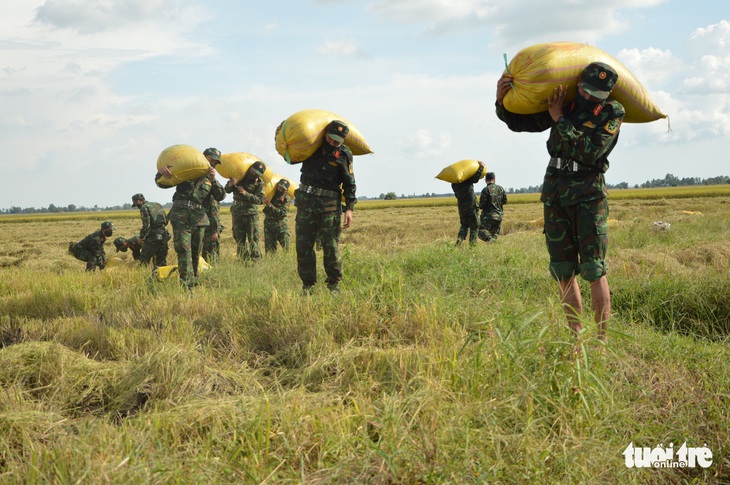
[91,248]
[276,229]
[134,244]
[153,232]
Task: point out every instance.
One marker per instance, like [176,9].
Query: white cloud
[341,48]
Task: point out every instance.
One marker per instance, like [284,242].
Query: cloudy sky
[91,91]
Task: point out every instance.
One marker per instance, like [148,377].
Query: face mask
[584,104]
[107,233]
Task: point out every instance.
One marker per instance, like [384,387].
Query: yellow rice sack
[186,163]
[164,272]
[270,187]
[302,133]
[538,69]
[460,171]
[235,165]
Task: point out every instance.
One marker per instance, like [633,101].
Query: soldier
[211,239]
[490,202]
[134,243]
[91,248]
[468,209]
[276,229]
[153,232]
[582,135]
[248,194]
[326,175]
[188,219]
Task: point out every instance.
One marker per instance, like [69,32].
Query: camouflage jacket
[153,218]
[212,206]
[278,209]
[135,244]
[187,202]
[586,136]
[491,201]
[330,169]
[464,191]
[94,243]
[247,203]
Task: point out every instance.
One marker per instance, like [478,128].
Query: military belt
[186,203]
[568,165]
[308,189]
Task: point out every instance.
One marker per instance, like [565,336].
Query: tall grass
[436,364]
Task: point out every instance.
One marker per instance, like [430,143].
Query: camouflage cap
[337,130]
[107,225]
[258,168]
[284,184]
[213,153]
[597,79]
[119,243]
[137,197]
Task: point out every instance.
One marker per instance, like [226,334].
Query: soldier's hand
[165,171]
[267,201]
[348,219]
[504,84]
[555,102]
[214,237]
[211,174]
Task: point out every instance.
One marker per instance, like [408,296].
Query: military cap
[213,153]
[137,197]
[107,225]
[338,130]
[119,243]
[283,183]
[597,79]
[259,168]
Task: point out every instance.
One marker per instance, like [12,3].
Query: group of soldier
[327,177]
[583,132]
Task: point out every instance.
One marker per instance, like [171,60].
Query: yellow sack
[302,133]
[235,165]
[460,171]
[186,163]
[270,187]
[114,262]
[165,272]
[538,69]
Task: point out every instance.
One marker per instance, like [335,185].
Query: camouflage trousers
[155,249]
[212,249]
[188,241]
[489,228]
[246,235]
[276,233]
[469,220]
[92,260]
[324,227]
[577,239]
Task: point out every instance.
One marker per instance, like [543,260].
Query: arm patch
[612,126]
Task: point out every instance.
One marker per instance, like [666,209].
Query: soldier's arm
[218,191]
[257,196]
[146,220]
[349,188]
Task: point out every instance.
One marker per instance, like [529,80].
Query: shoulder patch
[612,126]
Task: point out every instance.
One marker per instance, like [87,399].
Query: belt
[568,165]
[187,203]
[308,189]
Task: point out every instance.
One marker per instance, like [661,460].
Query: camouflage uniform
[211,248]
[91,248]
[468,210]
[154,234]
[574,190]
[134,244]
[325,176]
[188,219]
[276,229]
[245,213]
[490,202]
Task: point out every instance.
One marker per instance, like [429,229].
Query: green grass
[436,364]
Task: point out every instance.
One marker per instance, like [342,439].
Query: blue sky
[91,91]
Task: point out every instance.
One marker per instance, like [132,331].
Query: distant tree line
[668,181]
